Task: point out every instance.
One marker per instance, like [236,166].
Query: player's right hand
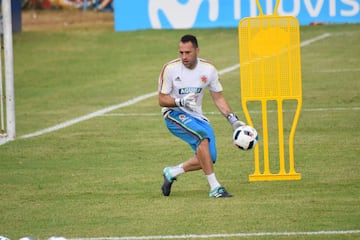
[189,101]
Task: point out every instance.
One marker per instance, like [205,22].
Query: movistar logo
[189,90]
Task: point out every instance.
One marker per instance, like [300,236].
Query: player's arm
[188,101]
[221,103]
[165,100]
[225,109]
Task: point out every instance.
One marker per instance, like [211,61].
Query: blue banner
[15,16]
[186,14]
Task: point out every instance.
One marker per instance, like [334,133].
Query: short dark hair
[190,38]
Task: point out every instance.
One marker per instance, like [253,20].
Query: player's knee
[212,150]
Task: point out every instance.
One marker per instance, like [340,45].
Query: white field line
[89,116]
[338,70]
[135,100]
[251,111]
[229,235]
[310,41]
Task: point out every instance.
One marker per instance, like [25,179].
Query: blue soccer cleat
[219,192]
[168,181]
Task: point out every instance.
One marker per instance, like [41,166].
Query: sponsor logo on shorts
[182,117]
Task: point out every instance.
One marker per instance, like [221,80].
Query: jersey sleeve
[215,84]
[165,84]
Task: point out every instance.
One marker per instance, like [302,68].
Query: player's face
[188,54]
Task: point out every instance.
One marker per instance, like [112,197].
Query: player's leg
[204,158]
[200,136]
[186,128]
[192,164]
[170,173]
[204,161]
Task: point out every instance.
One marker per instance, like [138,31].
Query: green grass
[102,177]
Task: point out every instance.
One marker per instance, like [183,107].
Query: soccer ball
[245,137]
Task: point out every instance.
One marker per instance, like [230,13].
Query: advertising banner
[186,14]
[15,16]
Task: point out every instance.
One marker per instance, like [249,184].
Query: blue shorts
[191,130]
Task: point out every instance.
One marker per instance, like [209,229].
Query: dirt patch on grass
[60,20]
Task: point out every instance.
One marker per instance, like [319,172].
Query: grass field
[102,177]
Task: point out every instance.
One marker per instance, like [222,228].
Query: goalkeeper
[182,83]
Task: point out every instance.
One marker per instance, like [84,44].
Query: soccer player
[182,83]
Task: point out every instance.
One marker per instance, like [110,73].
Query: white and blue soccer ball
[245,137]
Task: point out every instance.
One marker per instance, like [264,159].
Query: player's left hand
[237,124]
[234,121]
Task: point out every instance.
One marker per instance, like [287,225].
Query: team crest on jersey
[178,79]
[204,79]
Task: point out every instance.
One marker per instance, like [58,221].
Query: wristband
[178,102]
[231,117]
